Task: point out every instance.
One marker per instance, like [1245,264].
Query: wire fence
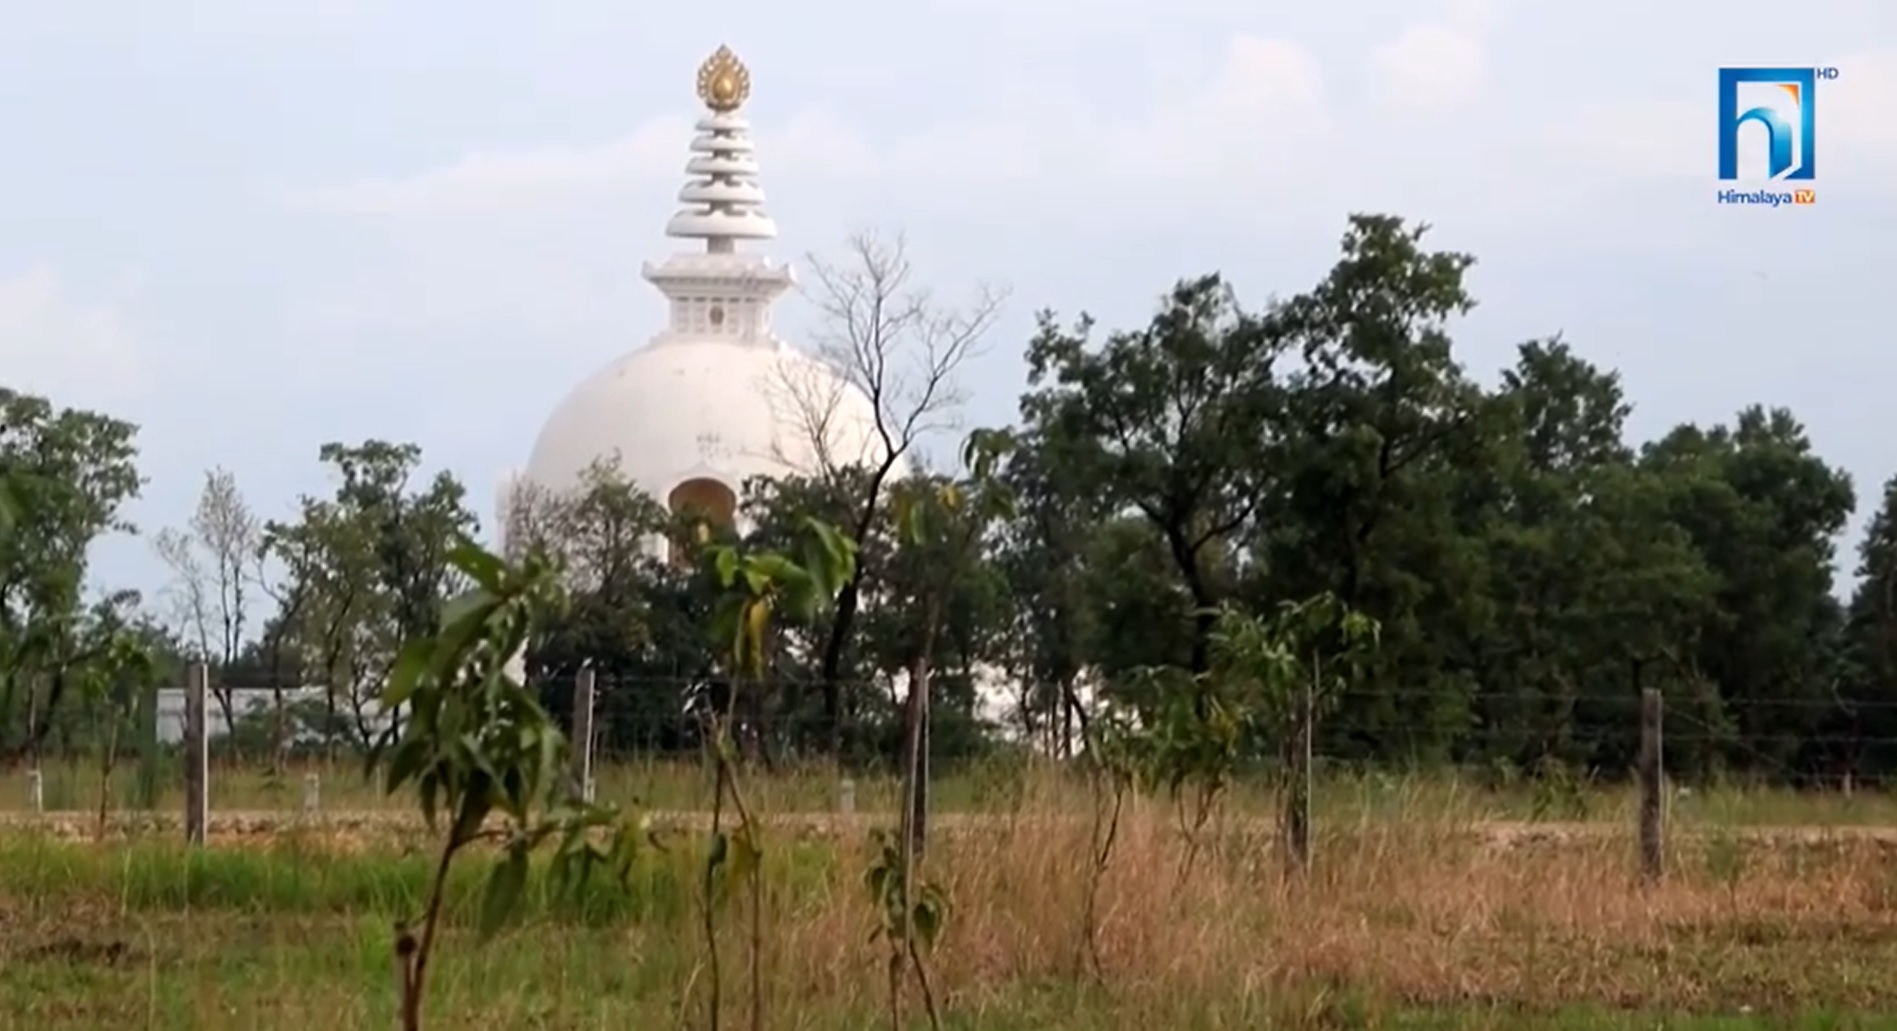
[635,715]
[302,752]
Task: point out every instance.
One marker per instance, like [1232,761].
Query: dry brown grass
[1446,913]
[1418,914]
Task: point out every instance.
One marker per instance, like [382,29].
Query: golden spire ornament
[724,83]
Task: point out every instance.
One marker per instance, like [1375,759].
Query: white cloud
[198,21]
[1856,107]
[52,344]
[1638,140]
[497,181]
[1441,63]
[1430,66]
[1265,102]
[1264,97]
[1477,16]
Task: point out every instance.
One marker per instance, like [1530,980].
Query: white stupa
[715,397]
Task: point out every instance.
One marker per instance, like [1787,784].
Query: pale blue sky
[253,227]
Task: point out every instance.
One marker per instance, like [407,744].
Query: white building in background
[715,397]
[248,702]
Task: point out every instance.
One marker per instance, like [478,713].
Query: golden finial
[723,81]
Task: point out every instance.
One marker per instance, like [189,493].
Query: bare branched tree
[888,340]
[188,595]
[209,560]
[530,517]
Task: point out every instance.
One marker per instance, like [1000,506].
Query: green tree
[816,699]
[367,569]
[69,474]
[1049,623]
[1863,729]
[1763,511]
[1379,422]
[1590,584]
[636,621]
[1176,422]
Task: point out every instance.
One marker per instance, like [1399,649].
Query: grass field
[1341,798]
[1408,919]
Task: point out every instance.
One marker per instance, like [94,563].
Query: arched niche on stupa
[704,503]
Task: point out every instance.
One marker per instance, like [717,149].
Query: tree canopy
[1531,567]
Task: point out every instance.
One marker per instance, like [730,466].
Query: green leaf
[410,666]
[569,871]
[476,757]
[906,514]
[949,496]
[623,855]
[552,752]
[757,626]
[458,636]
[725,561]
[482,566]
[746,855]
[877,880]
[476,604]
[925,921]
[407,760]
[431,798]
[839,554]
[505,885]
[476,803]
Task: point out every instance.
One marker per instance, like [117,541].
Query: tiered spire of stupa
[723,198]
[721,295]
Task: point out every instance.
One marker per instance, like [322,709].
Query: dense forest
[1530,567]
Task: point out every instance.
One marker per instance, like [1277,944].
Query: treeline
[1531,568]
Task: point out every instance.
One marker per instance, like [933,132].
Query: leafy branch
[760,587]
[911,919]
[956,514]
[477,744]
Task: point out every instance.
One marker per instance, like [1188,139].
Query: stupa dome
[697,420]
[715,398]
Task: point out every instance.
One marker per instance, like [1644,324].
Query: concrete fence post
[583,685]
[1652,776]
[1298,786]
[197,753]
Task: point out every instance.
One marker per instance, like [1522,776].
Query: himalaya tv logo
[1775,107]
